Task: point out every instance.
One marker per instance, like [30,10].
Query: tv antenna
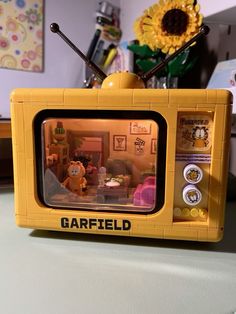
[125,79]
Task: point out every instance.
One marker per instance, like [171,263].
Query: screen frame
[102,114]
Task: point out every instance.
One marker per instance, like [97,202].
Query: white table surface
[53,272]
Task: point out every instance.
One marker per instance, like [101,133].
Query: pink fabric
[144,194]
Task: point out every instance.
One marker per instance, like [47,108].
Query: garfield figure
[75,182]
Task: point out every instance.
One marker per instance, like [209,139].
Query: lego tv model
[122,161]
[136,162]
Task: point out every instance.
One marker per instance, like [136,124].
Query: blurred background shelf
[5,128]
[6,166]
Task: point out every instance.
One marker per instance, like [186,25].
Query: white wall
[62,67]
[213,7]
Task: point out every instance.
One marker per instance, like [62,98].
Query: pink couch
[145,193]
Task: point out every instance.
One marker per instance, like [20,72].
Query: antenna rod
[146,76]
[97,71]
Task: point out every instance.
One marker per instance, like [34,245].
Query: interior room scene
[118,170]
[118,156]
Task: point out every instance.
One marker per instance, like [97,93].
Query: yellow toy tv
[122,161]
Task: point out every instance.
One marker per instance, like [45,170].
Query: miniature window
[106,161]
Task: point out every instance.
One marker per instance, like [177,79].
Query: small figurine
[75,182]
[59,133]
[90,169]
[102,175]
[51,159]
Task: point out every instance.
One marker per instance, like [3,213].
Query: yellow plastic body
[121,80]
[31,213]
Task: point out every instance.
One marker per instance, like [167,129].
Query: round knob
[54,28]
[192,195]
[193,174]
[123,80]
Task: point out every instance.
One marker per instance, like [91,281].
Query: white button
[192,195]
[193,174]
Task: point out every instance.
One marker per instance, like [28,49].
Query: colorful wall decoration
[21,35]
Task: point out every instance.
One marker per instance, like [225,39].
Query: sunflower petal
[197,7]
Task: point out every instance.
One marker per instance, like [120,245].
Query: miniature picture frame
[119,142]
[137,127]
[153,146]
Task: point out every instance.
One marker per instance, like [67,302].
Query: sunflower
[168,24]
[140,26]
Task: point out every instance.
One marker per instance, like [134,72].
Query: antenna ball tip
[54,28]
[205,29]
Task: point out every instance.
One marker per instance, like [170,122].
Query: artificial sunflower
[168,24]
[140,25]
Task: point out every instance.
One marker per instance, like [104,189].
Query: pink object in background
[144,194]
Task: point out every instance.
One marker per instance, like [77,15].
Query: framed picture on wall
[153,146]
[119,142]
[140,127]
[23,22]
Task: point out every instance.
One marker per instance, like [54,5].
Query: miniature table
[106,193]
[56,272]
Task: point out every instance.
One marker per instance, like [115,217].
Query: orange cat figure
[75,182]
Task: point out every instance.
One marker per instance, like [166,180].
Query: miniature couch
[144,195]
[125,168]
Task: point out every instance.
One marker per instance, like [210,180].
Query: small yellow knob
[123,80]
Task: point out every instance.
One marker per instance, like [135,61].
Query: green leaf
[146,65]
[182,63]
[177,65]
[143,51]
